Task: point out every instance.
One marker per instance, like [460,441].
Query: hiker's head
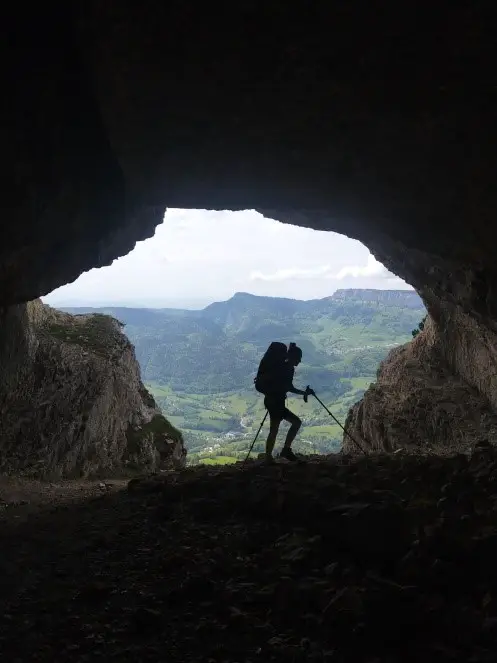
[294,354]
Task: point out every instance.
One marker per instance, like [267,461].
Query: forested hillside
[200,364]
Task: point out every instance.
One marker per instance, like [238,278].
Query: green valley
[200,365]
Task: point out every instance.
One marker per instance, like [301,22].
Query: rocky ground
[381,558]
[21,499]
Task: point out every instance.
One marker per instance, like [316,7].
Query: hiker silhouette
[274,379]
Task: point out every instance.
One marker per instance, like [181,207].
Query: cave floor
[371,559]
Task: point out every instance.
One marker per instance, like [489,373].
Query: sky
[200,256]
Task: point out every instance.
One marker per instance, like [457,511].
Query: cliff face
[436,393]
[405,298]
[71,399]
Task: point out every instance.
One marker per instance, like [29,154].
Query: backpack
[271,368]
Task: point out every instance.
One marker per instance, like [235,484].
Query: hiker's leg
[275,405]
[295,424]
[274,424]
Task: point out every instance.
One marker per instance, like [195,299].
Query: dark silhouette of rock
[379,125]
[375,558]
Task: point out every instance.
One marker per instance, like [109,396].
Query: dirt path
[22,498]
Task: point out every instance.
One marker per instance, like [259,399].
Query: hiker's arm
[307,392]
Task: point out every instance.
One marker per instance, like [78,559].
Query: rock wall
[405,298]
[341,118]
[435,394]
[71,399]
[378,125]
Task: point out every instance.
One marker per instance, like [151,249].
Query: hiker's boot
[269,460]
[288,454]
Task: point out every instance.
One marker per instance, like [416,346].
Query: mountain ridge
[218,349]
[342,294]
[199,365]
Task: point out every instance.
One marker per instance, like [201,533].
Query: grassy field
[219,428]
[220,460]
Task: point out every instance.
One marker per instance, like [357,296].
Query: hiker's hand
[309,391]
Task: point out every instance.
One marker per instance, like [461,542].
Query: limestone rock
[72,401]
[420,403]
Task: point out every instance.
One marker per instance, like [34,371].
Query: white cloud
[371,268]
[199,256]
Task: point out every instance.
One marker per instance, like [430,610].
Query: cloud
[292,273]
[371,268]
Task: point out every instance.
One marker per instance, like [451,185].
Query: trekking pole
[335,419]
[255,438]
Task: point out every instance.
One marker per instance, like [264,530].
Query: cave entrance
[202,299]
